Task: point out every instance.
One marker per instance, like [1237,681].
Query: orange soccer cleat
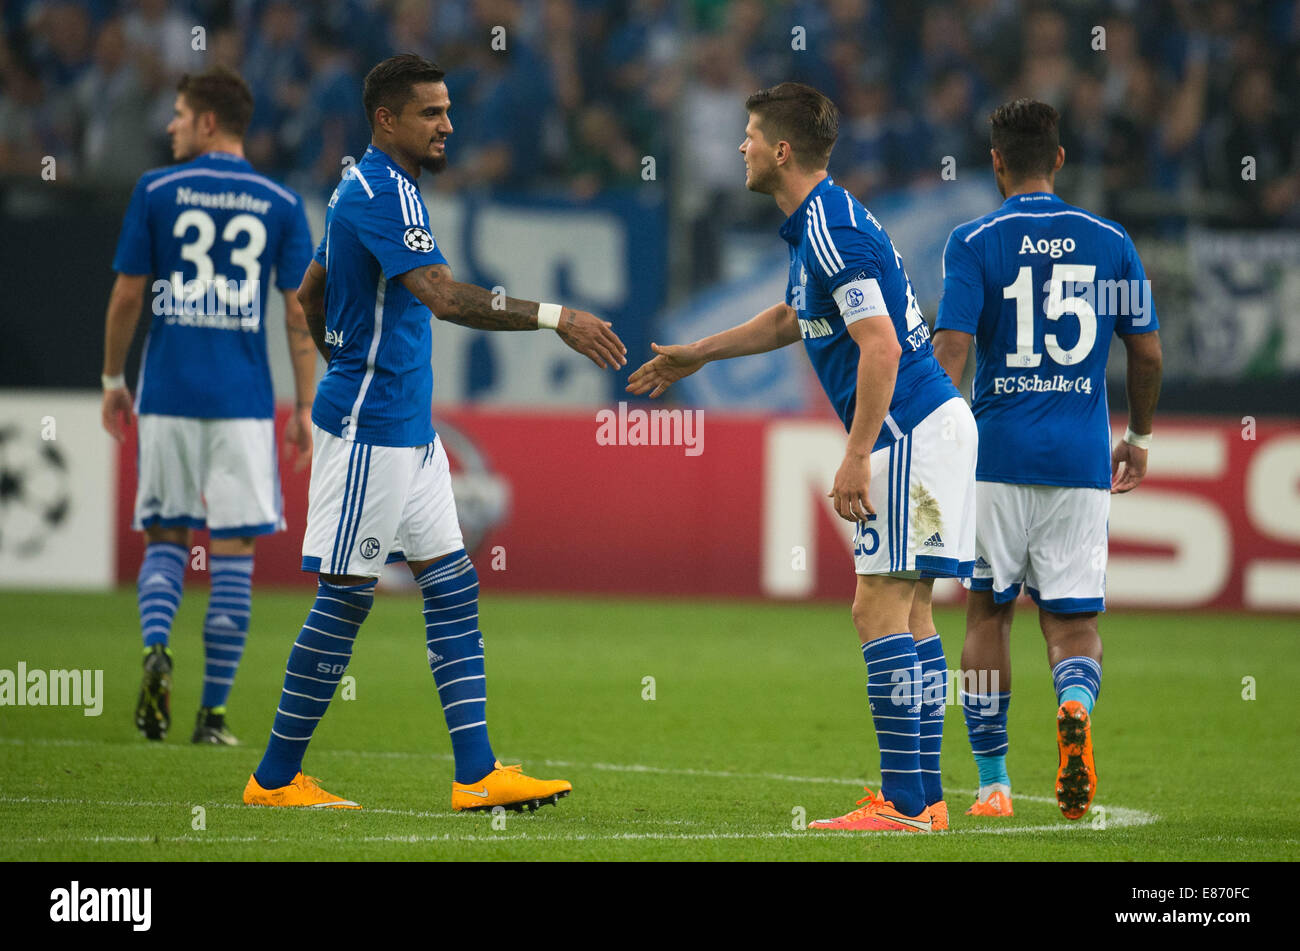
[878,815]
[939,816]
[1076,777]
[507,786]
[996,803]
[301,791]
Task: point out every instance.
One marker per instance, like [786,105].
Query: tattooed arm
[472,306]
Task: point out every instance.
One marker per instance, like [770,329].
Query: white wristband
[113,382]
[1133,439]
[548,316]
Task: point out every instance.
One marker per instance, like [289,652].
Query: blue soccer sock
[455,652]
[1077,678]
[986,725]
[894,692]
[934,699]
[226,626]
[158,590]
[317,663]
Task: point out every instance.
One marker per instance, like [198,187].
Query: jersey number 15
[1022,292]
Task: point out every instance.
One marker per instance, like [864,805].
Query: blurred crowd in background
[1155,125]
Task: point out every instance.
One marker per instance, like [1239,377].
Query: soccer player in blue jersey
[211,230]
[1042,286]
[380,485]
[907,477]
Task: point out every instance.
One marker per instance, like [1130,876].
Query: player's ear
[1060,158]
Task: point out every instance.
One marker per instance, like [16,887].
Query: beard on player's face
[431,161]
[417,146]
[760,180]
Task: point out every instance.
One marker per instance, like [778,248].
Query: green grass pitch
[759,711]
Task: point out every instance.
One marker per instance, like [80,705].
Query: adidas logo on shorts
[934,541]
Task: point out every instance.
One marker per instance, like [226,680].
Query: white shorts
[221,474]
[923,491]
[369,505]
[1050,538]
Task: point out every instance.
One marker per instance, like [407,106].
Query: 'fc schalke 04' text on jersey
[1042,286]
[843,268]
[378,388]
[210,231]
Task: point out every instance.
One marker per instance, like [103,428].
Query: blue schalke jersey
[1042,285]
[843,268]
[211,231]
[378,388]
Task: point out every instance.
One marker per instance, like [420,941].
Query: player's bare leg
[921,615]
[987,646]
[348,580]
[1070,635]
[882,606]
[986,672]
[1074,653]
[175,534]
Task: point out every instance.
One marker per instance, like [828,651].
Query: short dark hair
[223,92]
[800,115]
[390,83]
[1026,136]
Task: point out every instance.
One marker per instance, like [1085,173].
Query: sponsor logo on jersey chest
[815,328]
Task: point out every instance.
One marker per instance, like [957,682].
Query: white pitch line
[1117,816]
[1118,821]
[410,813]
[809,835]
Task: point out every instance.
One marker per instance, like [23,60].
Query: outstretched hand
[593,338]
[663,370]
